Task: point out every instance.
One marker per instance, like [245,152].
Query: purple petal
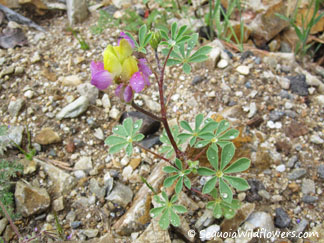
[101,79]
[137,82]
[143,67]
[118,90]
[126,37]
[146,79]
[128,94]
[96,67]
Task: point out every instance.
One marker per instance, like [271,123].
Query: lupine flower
[130,74]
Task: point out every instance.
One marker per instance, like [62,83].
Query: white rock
[124,161]
[106,101]
[79,174]
[127,172]
[283,82]
[239,93]
[242,69]
[151,104]
[320,99]
[281,168]
[72,80]
[35,58]
[222,63]
[99,134]
[253,110]
[316,139]
[209,233]
[88,90]
[29,94]
[74,109]
[84,163]
[114,113]
[77,11]
[288,105]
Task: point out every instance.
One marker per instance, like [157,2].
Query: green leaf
[179,185]
[205,171]
[158,200]
[210,185]
[237,182]
[217,212]
[183,39]
[116,148]
[212,156]
[210,127]
[128,125]
[185,125]
[181,31]
[178,164]
[222,127]
[164,221]
[141,34]
[227,155]
[120,130]
[198,120]
[186,68]
[179,208]
[174,198]
[192,43]
[222,144]
[170,180]
[229,135]
[164,35]
[206,136]
[187,182]
[138,137]
[171,62]
[164,196]
[184,136]
[202,51]
[156,211]
[229,213]
[202,144]
[174,28]
[200,58]
[214,193]
[112,140]
[225,191]
[170,169]
[238,166]
[129,149]
[174,218]
[132,38]
[147,39]
[137,125]
[192,141]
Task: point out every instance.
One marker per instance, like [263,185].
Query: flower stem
[180,155]
[200,153]
[150,151]
[140,109]
[13,226]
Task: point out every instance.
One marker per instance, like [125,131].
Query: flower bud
[155,40]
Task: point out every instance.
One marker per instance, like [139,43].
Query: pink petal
[101,79]
[118,90]
[128,94]
[143,67]
[96,67]
[137,82]
[126,37]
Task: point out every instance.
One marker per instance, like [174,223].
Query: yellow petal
[111,62]
[129,68]
[124,50]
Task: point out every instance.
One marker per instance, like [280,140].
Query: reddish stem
[150,151]
[140,109]
[200,153]
[179,154]
[13,226]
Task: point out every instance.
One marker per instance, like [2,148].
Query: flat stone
[7,71]
[281,168]
[154,233]
[84,163]
[15,106]
[297,173]
[99,134]
[121,195]
[206,219]
[320,99]
[106,101]
[283,82]
[47,136]
[60,182]
[151,104]
[77,11]
[114,113]
[14,133]
[3,223]
[35,58]
[223,63]
[301,226]
[253,110]
[316,139]
[72,80]
[150,141]
[242,69]
[308,186]
[74,109]
[261,220]
[90,91]
[282,219]
[276,115]
[309,199]
[31,200]
[30,166]
[90,233]
[291,162]
[96,189]
[29,94]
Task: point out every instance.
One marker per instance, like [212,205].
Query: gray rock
[75,224]
[309,199]
[296,173]
[60,181]
[90,233]
[58,204]
[108,182]
[150,141]
[14,133]
[90,91]
[291,114]
[291,162]
[282,219]
[77,11]
[106,101]
[308,186]
[276,115]
[15,106]
[3,224]
[151,104]
[261,220]
[7,71]
[154,233]
[320,171]
[74,109]
[205,220]
[283,82]
[197,79]
[99,134]
[96,189]
[31,200]
[121,195]
[298,84]
[84,163]
[301,226]
[255,186]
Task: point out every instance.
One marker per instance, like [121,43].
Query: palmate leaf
[225,191]
[237,182]
[227,154]
[239,165]
[210,185]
